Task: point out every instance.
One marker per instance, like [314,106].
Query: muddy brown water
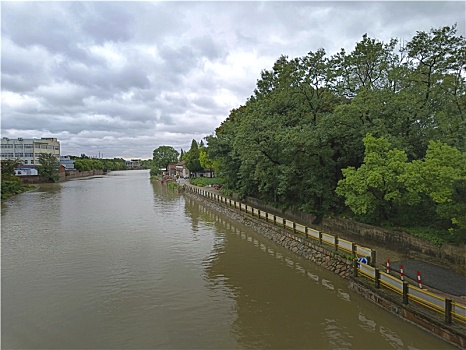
[123,262]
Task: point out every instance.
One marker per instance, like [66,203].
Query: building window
[26,161]
[32,161]
[28,146]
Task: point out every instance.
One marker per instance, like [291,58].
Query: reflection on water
[283,301]
[124,262]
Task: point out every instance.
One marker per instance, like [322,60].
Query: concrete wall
[62,176]
[71,174]
[433,323]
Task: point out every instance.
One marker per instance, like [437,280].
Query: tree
[441,175]
[204,160]
[8,167]
[163,156]
[10,183]
[364,68]
[375,188]
[48,167]
[192,161]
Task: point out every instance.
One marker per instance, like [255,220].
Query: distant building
[171,169]
[133,164]
[26,170]
[181,171]
[29,150]
[67,162]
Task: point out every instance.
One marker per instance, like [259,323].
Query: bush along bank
[344,266]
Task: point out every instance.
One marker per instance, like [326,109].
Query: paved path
[434,276]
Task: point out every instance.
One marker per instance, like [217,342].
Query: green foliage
[11,186]
[376,188]
[174,185]
[436,235]
[386,185]
[10,183]
[204,181]
[380,129]
[88,164]
[48,168]
[162,157]
[8,167]
[191,158]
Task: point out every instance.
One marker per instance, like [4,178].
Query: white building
[26,171]
[29,150]
[67,162]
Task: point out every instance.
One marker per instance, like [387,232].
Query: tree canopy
[377,133]
[162,157]
[48,167]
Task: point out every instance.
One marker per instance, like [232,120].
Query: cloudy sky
[120,79]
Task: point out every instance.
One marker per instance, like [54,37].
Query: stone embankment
[343,266]
[328,259]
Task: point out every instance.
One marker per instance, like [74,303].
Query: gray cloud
[122,78]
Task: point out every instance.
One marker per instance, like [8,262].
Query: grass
[205,181]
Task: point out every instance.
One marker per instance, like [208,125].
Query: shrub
[204,181]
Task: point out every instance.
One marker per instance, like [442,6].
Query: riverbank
[430,321]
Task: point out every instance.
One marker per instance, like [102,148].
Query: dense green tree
[204,160]
[192,161]
[48,167]
[162,157]
[10,184]
[375,188]
[304,130]
[8,167]
[441,175]
[220,149]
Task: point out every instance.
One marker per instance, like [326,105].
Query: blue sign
[363,260]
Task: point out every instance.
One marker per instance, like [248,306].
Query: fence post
[448,308]
[284,223]
[355,267]
[320,237]
[274,220]
[353,249]
[405,292]
[306,232]
[259,213]
[294,227]
[377,278]
[336,243]
[373,258]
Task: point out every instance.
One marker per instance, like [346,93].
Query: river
[120,261]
